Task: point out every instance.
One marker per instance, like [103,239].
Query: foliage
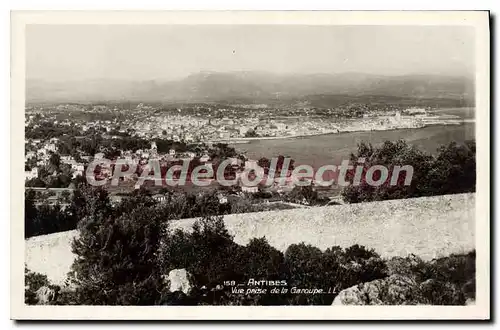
[333,270]
[45,219]
[251,133]
[32,282]
[123,251]
[116,255]
[212,257]
[443,281]
[304,195]
[451,171]
[207,253]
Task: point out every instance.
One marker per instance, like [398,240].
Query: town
[61,140]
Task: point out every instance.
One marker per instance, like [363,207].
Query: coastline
[299,136]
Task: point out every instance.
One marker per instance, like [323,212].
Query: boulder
[45,295]
[441,293]
[404,266]
[180,280]
[393,290]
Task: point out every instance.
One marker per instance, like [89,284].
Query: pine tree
[116,261]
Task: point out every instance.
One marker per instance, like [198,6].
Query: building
[397,117]
[28,175]
[243,130]
[190,154]
[50,147]
[250,190]
[414,111]
[224,135]
[30,154]
[67,159]
[205,158]
[222,199]
[160,197]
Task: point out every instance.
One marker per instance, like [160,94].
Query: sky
[167,52]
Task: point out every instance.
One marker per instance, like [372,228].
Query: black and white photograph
[271,159]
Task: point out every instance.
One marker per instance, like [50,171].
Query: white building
[77,167]
[243,130]
[67,159]
[28,175]
[205,158]
[414,111]
[251,190]
[51,147]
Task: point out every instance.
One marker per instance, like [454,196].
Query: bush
[122,254]
[444,281]
[116,261]
[211,256]
[45,219]
[452,171]
[334,270]
[208,253]
[304,195]
[32,282]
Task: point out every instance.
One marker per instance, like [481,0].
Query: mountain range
[250,86]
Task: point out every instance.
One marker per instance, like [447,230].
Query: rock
[180,280]
[45,295]
[403,266]
[441,293]
[470,302]
[393,290]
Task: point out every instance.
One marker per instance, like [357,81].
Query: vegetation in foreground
[123,259]
[124,252]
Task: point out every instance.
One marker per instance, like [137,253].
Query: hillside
[252,86]
[428,227]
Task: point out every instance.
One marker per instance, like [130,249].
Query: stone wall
[428,227]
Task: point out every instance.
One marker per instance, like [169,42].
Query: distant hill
[252,86]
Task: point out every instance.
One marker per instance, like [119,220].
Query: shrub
[304,195]
[452,171]
[260,261]
[116,256]
[32,282]
[444,281]
[334,270]
[45,219]
[208,253]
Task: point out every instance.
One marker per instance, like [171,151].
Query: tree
[116,256]
[304,195]
[452,171]
[265,163]
[35,182]
[251,133]
[55,160]
[208,253]
[32,282]
[30,213]
[88,200]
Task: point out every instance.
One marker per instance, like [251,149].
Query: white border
[478,20]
